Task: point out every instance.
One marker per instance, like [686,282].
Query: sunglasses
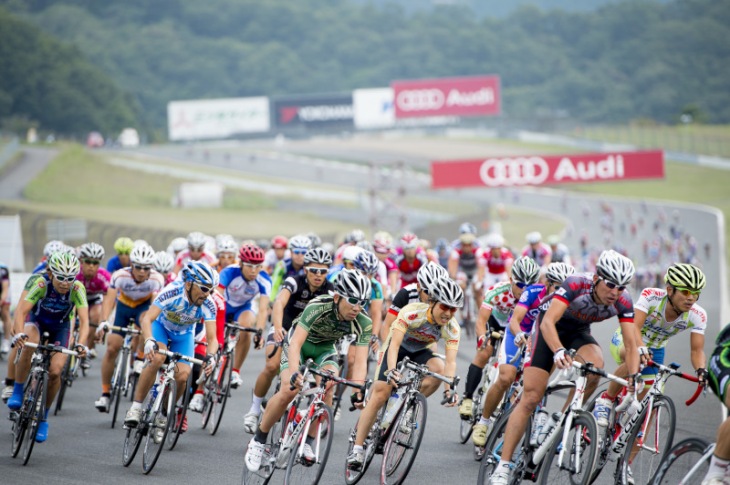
[204,289]
[91,261]
[356,301]
[446,308]
[64,279]
[319,271]
[141,268]
[249,265]
[199,249]
[687,291]
[521,285]
[299,251]
[611,285]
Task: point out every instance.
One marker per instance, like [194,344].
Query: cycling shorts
[419,356]
[232,313]
[493,325]
[184,343]
[322,354]
[124,313]
[508,350]
[95,299]
[617,346]
[542,356]
[57,335]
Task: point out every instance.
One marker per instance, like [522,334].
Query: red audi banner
[449,96]
[554,169]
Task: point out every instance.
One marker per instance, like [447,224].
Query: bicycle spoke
[300,470]
[680,460]
[578,457]
[159,425]
[404,441]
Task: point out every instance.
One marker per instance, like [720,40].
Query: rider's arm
[697,344]
[547,326]
[376,315]
[4,290]
[295,347]
[263,312]
[450,367]
[21,313]
[360,369]
[631,345]
[146,320]
[453,264]
[82,310]
[110,299]
[393,277]
[482,319]
[396,338]
[518,314]
[277,313]
[211,336]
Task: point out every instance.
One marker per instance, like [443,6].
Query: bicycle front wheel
[268,460]
[180,415]
[579,454]
[37,413]
[354,476]
[65,375]
[645,449]
[303,470]
[404,440]
[493,448]
[220,396]
[680,460]
[160,423]
[118,380]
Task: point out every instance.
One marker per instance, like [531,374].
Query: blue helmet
[200,273]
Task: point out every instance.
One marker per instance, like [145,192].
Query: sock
[504,464]
[310,440]
[358,449]
[237,371]
[256,404]
[260,436]
[199,391]
[136,405]
[606,395]
[45,418]
[106,394]
[9,381]
[718,467]
[483,420]
[18,388]
[473,376]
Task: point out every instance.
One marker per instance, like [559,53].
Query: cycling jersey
[577,292]
[498,264]
[419,332]
[131,293]
[220,324]
[409,269]
[656,330]
[178,315]
[96,287]
[183,257]
[540,254]
[282,271]
[718,366]
[114,264]
[51,308]
[560,254]
[407,294]
[41,267]
[300,296]
[469,259]
[530,299]
[239,291]
[321,319]
[270,259]
[500,301]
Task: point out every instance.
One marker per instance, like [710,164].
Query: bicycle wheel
[404,440]
[132,386]
[64,383]
[645,450]
[22,419]
[605,438]
[467,425]
[354,476]
[132,441]
[222,390]
[160,422]
[181,410]
[268,460]
[37,413]
[680,460]
[300,471]
[117,383]
[580,456]
[493,448]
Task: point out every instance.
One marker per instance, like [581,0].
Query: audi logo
[420,100]
[508,172]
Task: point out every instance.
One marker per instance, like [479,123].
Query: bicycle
[27,419]
[121,383]
[285,446]
[687,462]
[641,443]
[69,374]
[218,386]
[343,347]
[159,406]
[470,309]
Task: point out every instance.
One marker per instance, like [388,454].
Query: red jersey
[498,264]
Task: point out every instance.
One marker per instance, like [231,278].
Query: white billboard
[374,108]
[217,118]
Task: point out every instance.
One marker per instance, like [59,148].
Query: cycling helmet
[314,239]
[142,255]
[53,246]
[329,247]
[442,244]
[409,241]
[178,244]
[495,241]
[164,262]
[355,236]
[382,242]
[367,261]
[318,256]
[219,238]
[300,242]
[140,242]
[684,275]
[264,244]
[557,272]
[366,246]
[429,273]
[227,246]
[468,228]
[533,237]
[123,245]
[553,240]
[251,254]
[196,240]
[615,267]
[525,270]
[279,242]
[64,264]
[350,254]
[200,273]
[92,251]
[448,292]
[467,238]
[352,283]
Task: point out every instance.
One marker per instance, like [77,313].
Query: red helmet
[279,242]
[252,254]
[409,241]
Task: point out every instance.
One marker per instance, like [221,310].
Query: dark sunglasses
[356,301]
[521,285]
[446,308]
[319,271]
[687,291]
[204,289]
[65,279]
[141,268]
[299,251]
[91,261]
[611,285]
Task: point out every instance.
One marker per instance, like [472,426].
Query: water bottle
[540,420]
[295,422]
[549,426]
[629,412]
[390,409]
[154,392]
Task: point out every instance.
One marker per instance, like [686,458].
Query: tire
[65,375]
[659,436]
[340,389]
[152,449]
[606,434]
[133,378]
[401,448]
[493,448]
[22,420]
[680,459]
[268,460]
[182,409]
[37,411]
[117,383]
[354,476]
[584,433]
[222,390]
[297,471]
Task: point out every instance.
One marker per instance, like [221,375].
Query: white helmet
[429,273]
[142,255]
[533,237]
[196,240]
[300,242]
[219,238]
[615,267]
[227,246]
[53,246]
[558,272]
[525,270]
[448,292]
[352,283]
[164,262]
[495,241]
[350,253]
[178,244]
[91,250]
[140,242]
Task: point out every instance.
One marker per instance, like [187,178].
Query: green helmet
[123,245]
[63,264]
[682,275]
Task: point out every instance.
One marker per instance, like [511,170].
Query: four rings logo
[420,100]
[507,172]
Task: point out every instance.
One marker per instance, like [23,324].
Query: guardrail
[9,151]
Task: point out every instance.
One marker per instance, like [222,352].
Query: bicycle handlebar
[683,375]
[51,348]
[406,363]
[243,329]
[179,356]
[134,331]
[276,347]
[328,375]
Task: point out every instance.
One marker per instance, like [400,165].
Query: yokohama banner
[322,110]
[549,170]
[450,96]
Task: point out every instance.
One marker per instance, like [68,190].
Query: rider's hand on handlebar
[210,362]
[562,359]
[101,330]
[481,342]
[520,339]
[450,398]
[358,400]
[374,343]
[279,334]
[393,377]
[702,376]
[150,347]
[81,349]
[296,381]
[19,339]
[258,340]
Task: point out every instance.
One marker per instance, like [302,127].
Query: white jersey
[177,314]
[656,330]
[270,258]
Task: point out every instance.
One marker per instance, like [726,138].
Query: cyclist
[353,237]
[177,245]
[661,313]
[498,260]
[515,336]
[409,260]
[164,264]
[719,380]
[417,328]
[131,290]
[466,263]
[241,285]
[499,301]
[195,252]
[313,335]
[170,323]
[50,248]
[278,252]
[560,250]
[296,292]
[226,251]
[387,270]
[564,323]
[298,247]
[47,308]
[96,281]
[123,247]
[5,308]
[536,249]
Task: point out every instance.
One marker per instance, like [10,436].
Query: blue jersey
[178,314]
[238,291]
[530,299]
[41,268]
[114,264]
